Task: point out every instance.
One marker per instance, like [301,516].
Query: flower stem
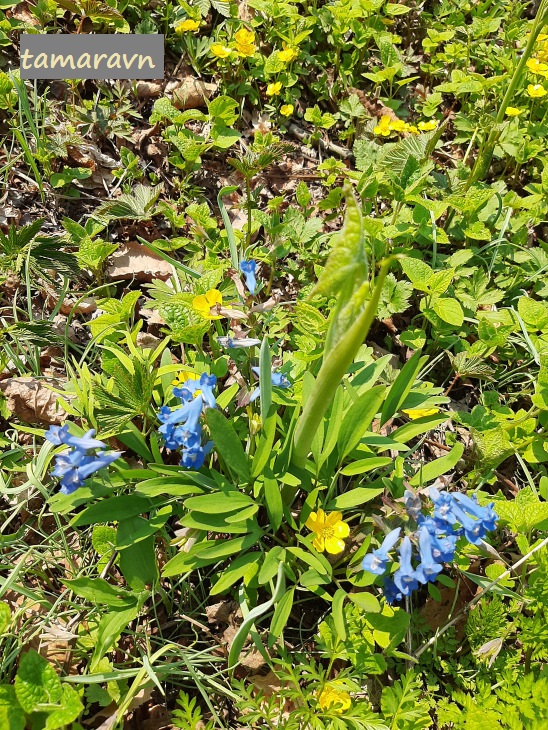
[332,371]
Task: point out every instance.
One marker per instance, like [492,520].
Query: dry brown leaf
[192,93]
[222,612]
[30,400]
[144,89]
[135,261]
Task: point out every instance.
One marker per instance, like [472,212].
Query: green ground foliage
[298,289]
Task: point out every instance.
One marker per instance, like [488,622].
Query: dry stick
[476,598]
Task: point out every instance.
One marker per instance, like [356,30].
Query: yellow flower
[334,699]
[534,65]
[428,126]
[329,529]
[512,111]
[286,110]
[186,25]
[204,303]
[183,376]
[398,125]
[384,127]
[220,51]
[420,412]
[413,129]
[245,45]
[535,91]
[288,54]
[274,88]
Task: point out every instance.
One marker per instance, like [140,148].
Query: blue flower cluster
[248,269]
[454,515]
[278,381]
[80,460]
[181,428]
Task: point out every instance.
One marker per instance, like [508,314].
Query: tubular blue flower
[391,591]
[60,435]
[278,381]
[405,577]
[207,383]
[486,514]
[428,568]
[375,562]
[194,457]
[474,530]
[248,269]
[76,464]
[413,504]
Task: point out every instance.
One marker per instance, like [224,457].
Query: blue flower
[486,514]
[76,464]
[60,435]
[278,381]
[391,591]
[405,577]
[428,568]
[181,428]
[248,269]
[375,562]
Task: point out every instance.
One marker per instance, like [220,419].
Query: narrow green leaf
[337,612]
[435,469]
[358,419]
[265,379]
[401,386]
[281,615]
[227,443]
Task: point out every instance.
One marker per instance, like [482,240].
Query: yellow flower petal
[333,518]
[286,110]
[512,111]
[419,412]
[334,545]
[341,529]
[187,25]
[203,303]
[319,543]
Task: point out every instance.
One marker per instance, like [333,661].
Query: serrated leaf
[36,683]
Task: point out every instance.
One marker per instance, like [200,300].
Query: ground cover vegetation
[274,370]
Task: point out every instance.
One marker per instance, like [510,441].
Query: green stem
[483,160]
[332,371]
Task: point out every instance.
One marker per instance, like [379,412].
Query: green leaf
[364,465]
[239,640]
[418,272]
[112,509]
[401,386]
[223,548]
[219,503]
[138,561]
[281,615]
[358,419]
[97,590]
[224,109]
[36,683]
[434,469]
[70,710]
[366,601]
[12,716]
[227,443]
[273,502]
[338,614]
[449,310]
[417,427]
[355,497]
[5,617]
[109,631]
[236,570]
